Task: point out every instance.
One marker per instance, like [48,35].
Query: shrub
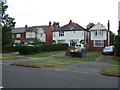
[117,45]
[9,48]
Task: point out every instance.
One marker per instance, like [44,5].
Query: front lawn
[111,70]
[90,56]
[44,63]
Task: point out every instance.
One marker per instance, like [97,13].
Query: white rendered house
[99,37]
[71,33]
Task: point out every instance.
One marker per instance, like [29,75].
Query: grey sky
[40,12]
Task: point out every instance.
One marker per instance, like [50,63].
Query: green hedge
[117,45]
[9,48]
[26,50]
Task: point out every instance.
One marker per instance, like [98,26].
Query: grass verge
[44,63]
[91,56]
[10,57]
[111,71]
[114,62]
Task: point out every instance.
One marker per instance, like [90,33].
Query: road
[65,77]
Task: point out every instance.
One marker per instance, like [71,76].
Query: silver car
[108,50]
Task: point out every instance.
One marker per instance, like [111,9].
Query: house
[71,34]
[34,33]
[100,36]
[18,35]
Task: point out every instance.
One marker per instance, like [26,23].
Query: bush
[117,45]
[9,48]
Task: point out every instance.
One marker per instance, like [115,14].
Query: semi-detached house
[27,34]
[71,33]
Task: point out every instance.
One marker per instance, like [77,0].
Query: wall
[39,37]
[69,35]
[49,35]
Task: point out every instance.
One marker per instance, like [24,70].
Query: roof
[30,29]
[98,26]
[71,27]
[35,28]
[18,30]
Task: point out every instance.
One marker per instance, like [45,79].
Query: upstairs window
[61,33]
[18,35]
[98,32]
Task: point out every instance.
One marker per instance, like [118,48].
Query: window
[60,41]
[98,32]
[61,33]
[41,34]
[98,43]
[73,42]
[17,41]
[18,35]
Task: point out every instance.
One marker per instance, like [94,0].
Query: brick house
[100,37]
[27,34]
[18,35]
[71,33]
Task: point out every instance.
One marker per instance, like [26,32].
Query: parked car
[108,50]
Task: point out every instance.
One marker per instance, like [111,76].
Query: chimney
[119,28]
[108,25]
[26,27]
[70,22]
[50,23]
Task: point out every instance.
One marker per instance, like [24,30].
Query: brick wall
[49,38]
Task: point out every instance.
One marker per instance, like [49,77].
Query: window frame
[98,42]
[18,35]
[61,33]
[73,42]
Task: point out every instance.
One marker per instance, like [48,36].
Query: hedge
[26,50]
[9,48]
[117,45]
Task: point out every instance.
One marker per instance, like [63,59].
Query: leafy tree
[90,25]
[7,25]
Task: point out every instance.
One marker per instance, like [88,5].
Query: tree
[90,25]
[7,25]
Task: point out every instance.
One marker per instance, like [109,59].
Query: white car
[108,50]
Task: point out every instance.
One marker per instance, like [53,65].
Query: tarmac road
[26,77]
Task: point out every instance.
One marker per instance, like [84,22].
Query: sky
[40,12]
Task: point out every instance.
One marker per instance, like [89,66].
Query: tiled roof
[35,28]
[70,27]
[18,30]
[98,26]
[30,29]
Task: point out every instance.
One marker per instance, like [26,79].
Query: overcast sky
[40,12]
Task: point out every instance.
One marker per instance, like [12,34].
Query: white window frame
[18,41]
[18,35]
[61,41]
[101,42]
[61,33]
[73,42]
